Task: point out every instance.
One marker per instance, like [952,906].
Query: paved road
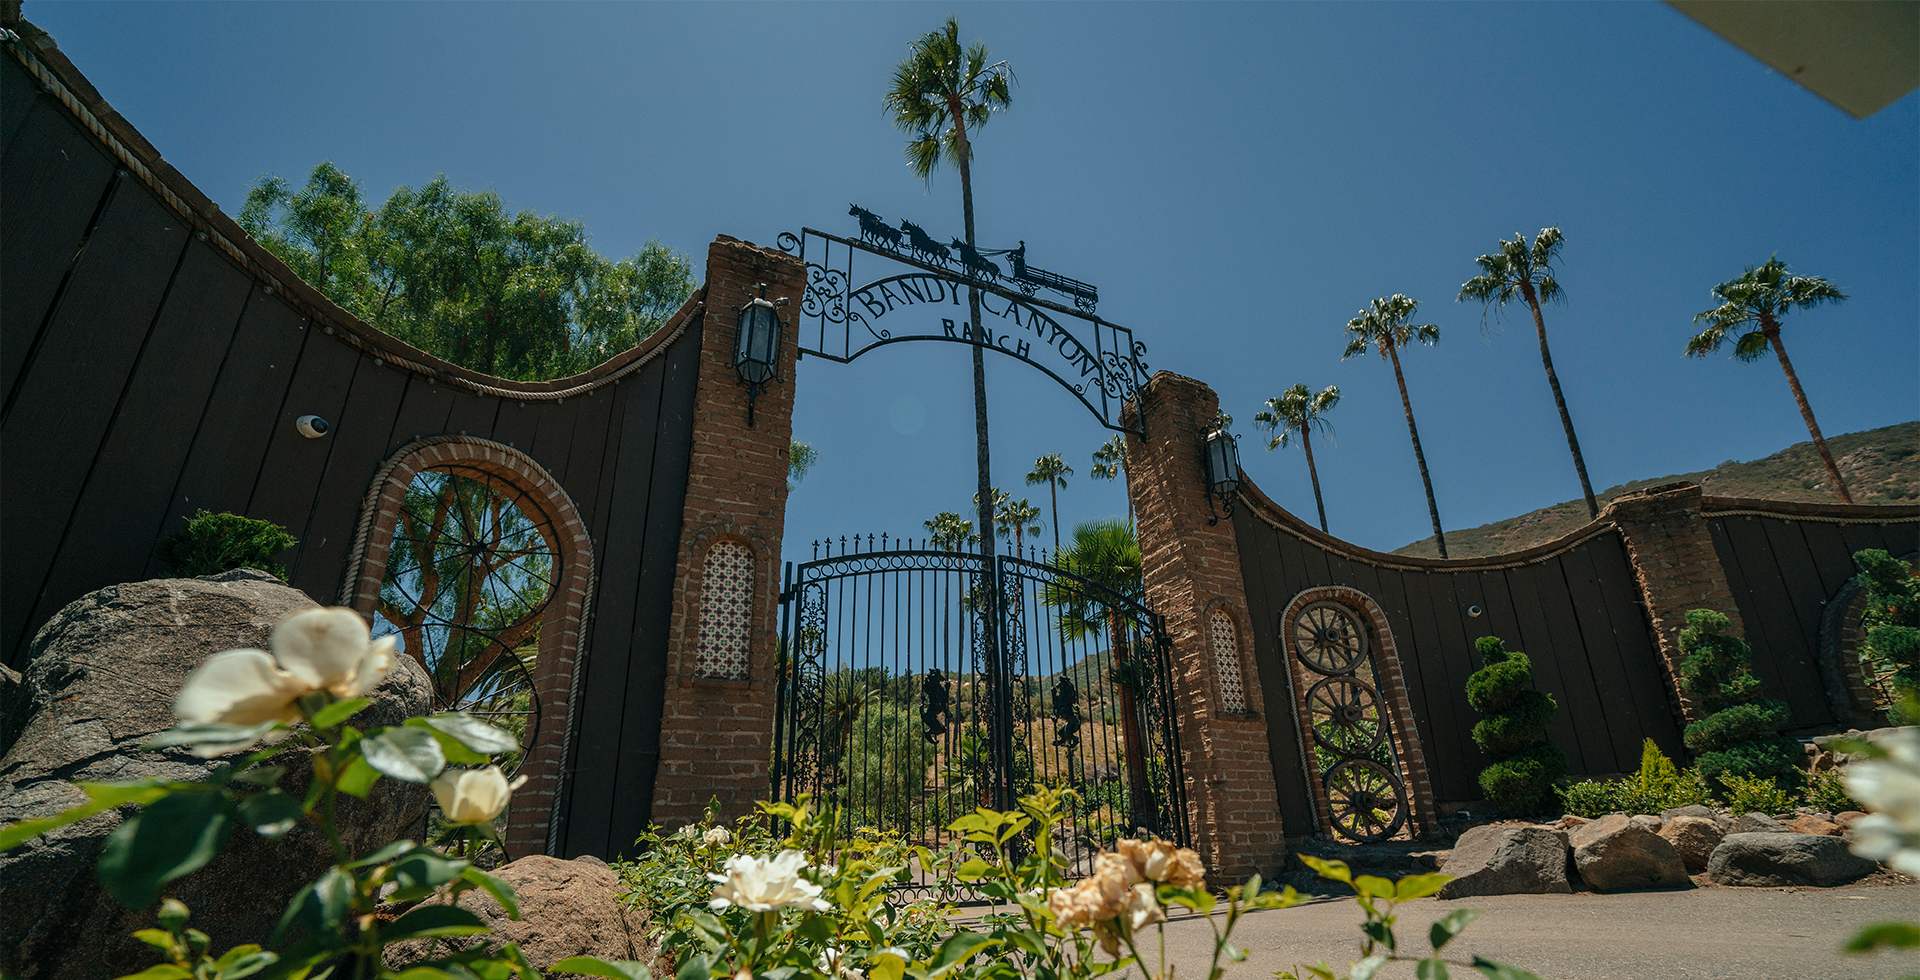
[1702,934]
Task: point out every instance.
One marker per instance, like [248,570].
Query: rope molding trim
[348,333]
[1278,525]
[1823,518]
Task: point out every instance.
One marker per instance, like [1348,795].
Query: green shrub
[214,543]
[1739,736]
[1892,621]
[1526,766]
[1659,785]
[1756,794]
[1826,794]
[1588,798]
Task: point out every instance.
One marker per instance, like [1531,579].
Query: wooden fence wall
[154,359]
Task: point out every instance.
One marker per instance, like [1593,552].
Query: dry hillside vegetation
[1881,466]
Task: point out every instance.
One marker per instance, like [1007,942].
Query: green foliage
[1825,793]
[1589,798]
[1892,620]
[1756,794]
[1739,735]
[454,273]
[1525,766]
[800,459]
[210,544]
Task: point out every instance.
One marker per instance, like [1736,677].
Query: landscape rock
[1690,810]
[567,908]
[1694,839]
[1614,855]
[1783,859]
[1756,823]
[1507,860]
[100,682]
[1569,822]
[1845,818]
[1815,825]
[1647,822]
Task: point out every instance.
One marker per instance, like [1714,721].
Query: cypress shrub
[1526,765]
[1740,734]
[215,543]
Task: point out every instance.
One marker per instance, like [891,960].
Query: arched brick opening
[1228,638]
[1856,696]
[1393,694]
[554,675]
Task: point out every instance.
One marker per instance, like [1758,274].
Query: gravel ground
[1700,934]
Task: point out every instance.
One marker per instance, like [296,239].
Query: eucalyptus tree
[1052,471]
[1383,326]
[800,459]
[939,93]
[1297,412]
[1110,463]
[1751,307]
[1525,270]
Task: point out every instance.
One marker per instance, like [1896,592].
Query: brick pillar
[1677,567]
[716,732]
[1193,569]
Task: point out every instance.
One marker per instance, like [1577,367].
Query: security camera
[1474,611]
[311,426]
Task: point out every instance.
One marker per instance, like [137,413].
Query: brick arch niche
[541,498]
[1392,689]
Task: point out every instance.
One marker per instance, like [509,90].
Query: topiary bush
[1892,621]
[1740,734]
[1526,766]
[215,543]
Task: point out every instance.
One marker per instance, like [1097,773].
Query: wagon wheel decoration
[1345,716]
[1367,803]
[1329,637]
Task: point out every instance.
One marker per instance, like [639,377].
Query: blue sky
[1238,179]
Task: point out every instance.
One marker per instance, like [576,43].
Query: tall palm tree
[949,531]
[940,92]
[1106,553]
[1383,325]
[1017,519]
[1300,411]
[1526,270]
[1110,463]
[1752,305]
[1052,471]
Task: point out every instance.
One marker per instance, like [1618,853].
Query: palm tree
[1299,410]
[1383,325]
[1110,463]
[1106,553]
[948,531]
[938,93]
[1017,519]
[1753,305]
[1052,471]
[1527,270]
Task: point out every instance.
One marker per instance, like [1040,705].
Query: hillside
[1881,466]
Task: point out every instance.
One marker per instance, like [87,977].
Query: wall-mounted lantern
[1222,460]
[756,345]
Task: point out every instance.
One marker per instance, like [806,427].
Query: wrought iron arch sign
[1098,361]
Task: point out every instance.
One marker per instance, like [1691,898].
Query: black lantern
[756,345]
[1222,460]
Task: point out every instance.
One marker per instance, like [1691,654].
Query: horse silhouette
[875,228]
[976,263]
[923,245]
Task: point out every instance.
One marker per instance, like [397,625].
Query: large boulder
[100,682]
[1694,839]
[1507,860]
[567,908]
[1614,855]
[1781,859]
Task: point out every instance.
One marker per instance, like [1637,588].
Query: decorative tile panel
[1226,663]
[726,612]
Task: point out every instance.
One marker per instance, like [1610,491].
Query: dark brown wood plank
[63,405]
[1634,643]
[1422,642]
[117,520]
[666,512]
[1831,560]
[1625,721]
[602,749]
[1896,539]
[589,470]
[552,446]
[1806,594]
[55,180]
[423,412]
[1259,554]
[518,421]
[240,415]
[1450,622]
[1514,615]
[285,489]
[473,414]
[20,97]
[355,452]
[1773,627]
[1584,684]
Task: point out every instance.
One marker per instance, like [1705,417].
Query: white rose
[315,650]
[1143,908]
[1890,787]
[473,795]
[688,830]
[764,884]
[716,837]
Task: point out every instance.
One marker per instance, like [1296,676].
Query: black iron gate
[897,703]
